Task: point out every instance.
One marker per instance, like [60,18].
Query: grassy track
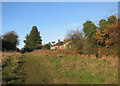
[64,69]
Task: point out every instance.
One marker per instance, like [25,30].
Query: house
[60,45]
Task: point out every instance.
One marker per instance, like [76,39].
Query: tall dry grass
[5,55]
[53,52]
[113,61]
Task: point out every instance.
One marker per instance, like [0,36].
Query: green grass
[64,69]
[12,70]
[58,69]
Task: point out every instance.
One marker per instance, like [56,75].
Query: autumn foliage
[109,36]
[97,40]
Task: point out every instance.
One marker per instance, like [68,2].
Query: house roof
[58,44]
[61,43]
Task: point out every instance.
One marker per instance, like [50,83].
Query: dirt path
[32,68]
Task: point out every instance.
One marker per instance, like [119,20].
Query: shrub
[38,46]
[47,46]
[28,49]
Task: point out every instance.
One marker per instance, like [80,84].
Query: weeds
[12,72]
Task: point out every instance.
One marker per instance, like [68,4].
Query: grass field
[49,67]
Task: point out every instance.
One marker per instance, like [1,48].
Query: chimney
[58,40]
[64,40]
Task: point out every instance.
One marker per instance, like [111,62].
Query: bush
[47,46]
[28,49]
[38,46]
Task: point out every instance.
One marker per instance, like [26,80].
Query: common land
[58,67]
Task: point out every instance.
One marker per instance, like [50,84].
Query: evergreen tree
[27,41]
[33,39]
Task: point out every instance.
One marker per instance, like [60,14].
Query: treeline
[32,41]
[98,40]
[93,40]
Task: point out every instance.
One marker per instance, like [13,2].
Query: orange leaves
[105,31]
[99,37]
[109,35]
[114,31]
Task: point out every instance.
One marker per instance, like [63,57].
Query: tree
[33,38]
[10,41]
[89,28]
[102,24]
[27,41]
[108,36]
[38,46]
[111,20]
[80,43]
[76,39]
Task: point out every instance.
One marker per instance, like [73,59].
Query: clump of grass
[12,72]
